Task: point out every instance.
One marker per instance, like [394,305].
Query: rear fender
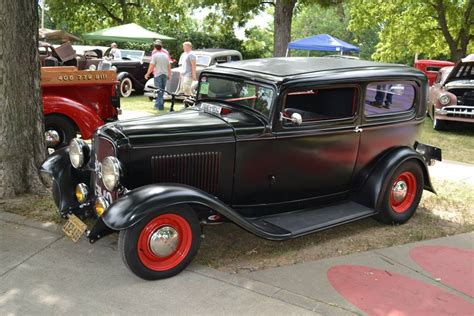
[84,117]
[137,204]
[374,181]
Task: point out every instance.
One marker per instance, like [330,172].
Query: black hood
[187,126]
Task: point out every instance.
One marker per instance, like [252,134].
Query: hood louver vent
[200,170]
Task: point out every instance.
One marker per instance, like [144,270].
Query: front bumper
[458,113]
[65,179]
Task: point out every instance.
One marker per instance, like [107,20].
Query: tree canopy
[434,28]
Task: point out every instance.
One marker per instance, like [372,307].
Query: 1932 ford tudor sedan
[282,147]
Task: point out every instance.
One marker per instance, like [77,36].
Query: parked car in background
[282,147]
[451,98]
[130,69]
[431,67]
[77,101]
[204,58]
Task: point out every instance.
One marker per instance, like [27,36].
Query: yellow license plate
[74,228]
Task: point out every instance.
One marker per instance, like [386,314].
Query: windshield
[132,54]
[203,60]
[238,92]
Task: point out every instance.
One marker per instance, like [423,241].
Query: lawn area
[141,103]
[457,143]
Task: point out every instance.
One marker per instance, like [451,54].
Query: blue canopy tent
[322,42]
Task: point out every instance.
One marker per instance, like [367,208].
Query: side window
[234,58]
[320,104]
[433,68]
[221,59]
[389,97]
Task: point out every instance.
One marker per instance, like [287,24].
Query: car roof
[216,51]
[294,66]
[434,62]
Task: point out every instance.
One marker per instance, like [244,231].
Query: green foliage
[333,20]
[407,27]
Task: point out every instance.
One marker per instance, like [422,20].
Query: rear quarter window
[389,97]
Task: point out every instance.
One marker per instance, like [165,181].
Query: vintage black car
[282,147]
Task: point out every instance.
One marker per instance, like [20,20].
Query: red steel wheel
[164,242]
[403,192]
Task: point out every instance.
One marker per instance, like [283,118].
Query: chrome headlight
[110,172]
[78,152]
[444,99]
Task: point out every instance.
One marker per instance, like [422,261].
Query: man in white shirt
[188,69]
[115,52]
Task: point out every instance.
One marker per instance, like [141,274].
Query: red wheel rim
[145,251]
[403,192]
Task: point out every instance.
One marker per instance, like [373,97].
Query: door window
[389,97]
[321,104]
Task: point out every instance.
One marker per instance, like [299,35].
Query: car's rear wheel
[402,194]
[126,87]
[59,131]
[162,244]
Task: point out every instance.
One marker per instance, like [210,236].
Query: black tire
[65,128]
[132,243]
[393,211]
[126,87]
[438,125]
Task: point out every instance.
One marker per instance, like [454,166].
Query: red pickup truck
[77,101]
[431,67]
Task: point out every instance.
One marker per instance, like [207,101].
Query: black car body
[282,147]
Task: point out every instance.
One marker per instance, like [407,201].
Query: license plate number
[74,228]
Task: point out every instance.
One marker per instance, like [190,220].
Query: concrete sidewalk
[42,272]
[453,171]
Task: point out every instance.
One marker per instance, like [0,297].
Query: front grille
[459,111]
[200,170]
[103,147]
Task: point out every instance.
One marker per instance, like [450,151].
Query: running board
[302,222]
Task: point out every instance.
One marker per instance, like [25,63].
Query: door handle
[358,129]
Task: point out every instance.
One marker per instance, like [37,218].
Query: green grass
[456,144]
[141,103]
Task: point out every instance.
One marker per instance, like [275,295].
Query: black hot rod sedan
[281,147]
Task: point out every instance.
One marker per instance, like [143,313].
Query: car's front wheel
[438,125]
[59,131]
[402,194]
[162,244]
[126,87]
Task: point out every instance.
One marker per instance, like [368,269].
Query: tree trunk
[282,29]
[22,144]
[458,45]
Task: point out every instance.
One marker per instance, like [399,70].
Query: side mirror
[295,118]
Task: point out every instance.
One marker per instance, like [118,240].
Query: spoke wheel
[126,87]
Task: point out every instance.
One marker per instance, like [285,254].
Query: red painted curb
[380,292]
[453,266]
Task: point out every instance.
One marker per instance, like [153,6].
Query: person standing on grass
[161,68]
[188,69]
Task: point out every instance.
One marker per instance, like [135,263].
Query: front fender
[84,117]
[65,178]
[137,204]
[371,191]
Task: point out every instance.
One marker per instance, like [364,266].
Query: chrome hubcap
[52,138]
[399,191]
[164,241]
